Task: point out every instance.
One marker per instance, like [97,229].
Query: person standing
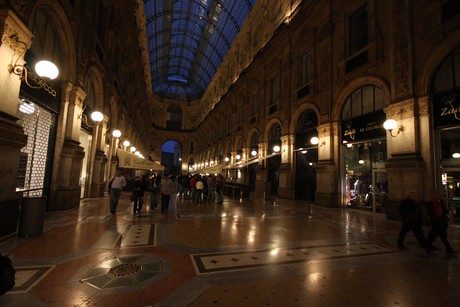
[411,216]
[192,184]
[220,183]
[438,212]
[211,189]
[153,187]
[116,184]
[199,190]
[139,189]
[166,189]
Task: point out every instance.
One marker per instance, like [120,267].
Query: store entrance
[451,188]
[366,181]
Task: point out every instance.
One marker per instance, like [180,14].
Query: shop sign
[369,126]
[446,109]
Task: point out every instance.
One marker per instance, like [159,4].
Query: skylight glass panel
[190,39]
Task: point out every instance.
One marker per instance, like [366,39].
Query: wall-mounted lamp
[390,125]
[315,141]
[44,69]
[96,116]
[116,133]
[276,148]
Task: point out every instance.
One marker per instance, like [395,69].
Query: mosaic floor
[239,253]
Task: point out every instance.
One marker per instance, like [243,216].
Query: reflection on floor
[239,253]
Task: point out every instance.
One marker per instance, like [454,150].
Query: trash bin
[32,216]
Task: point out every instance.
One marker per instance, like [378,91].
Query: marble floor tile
[239,253]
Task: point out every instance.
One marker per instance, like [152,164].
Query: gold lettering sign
[350,131]
[450,109]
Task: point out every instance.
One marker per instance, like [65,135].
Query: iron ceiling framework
[187,41]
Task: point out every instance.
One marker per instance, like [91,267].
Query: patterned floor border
[27,277]
[138,235]
[222,262]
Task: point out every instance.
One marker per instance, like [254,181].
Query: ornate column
[286,172]
[65,190]
[327,181]
[244,171]
[12,137]
[233,171]
[405,165]
[100,160]
[262,185]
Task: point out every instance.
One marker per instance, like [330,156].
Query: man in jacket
[411,216]
[166,189]
[116,183]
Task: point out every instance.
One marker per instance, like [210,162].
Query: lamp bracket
[25,74]
[399,130]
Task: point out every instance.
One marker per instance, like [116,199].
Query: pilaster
[327,178]
[65,190]
[286,188]
[262,185]
[405,165]
[16,38]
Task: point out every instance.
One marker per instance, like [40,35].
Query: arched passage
[171,157]
[306,156]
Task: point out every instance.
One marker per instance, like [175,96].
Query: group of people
[200,189]
[412,218]
[155,185]
[203,189]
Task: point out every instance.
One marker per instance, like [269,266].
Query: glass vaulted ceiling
[188,40]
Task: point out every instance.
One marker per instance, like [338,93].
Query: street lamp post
[97,117]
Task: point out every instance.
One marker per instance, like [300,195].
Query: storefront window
[366,185]
[446,120]
[364,151]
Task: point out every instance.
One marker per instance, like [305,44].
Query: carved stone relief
[401,50]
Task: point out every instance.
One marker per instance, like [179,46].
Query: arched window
[174,118]
[445,103]
[306,128]
[274,137]
[364,100]
[448,76]
[254,145]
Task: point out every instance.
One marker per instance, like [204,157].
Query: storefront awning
[241,164]
[215,169]
[129,160]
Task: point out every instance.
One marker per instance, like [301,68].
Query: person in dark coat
[438,212]
[139,189]
[411,216]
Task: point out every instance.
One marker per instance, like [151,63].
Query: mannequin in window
[360,190]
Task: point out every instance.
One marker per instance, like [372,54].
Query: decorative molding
[12,136]
[401,51]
